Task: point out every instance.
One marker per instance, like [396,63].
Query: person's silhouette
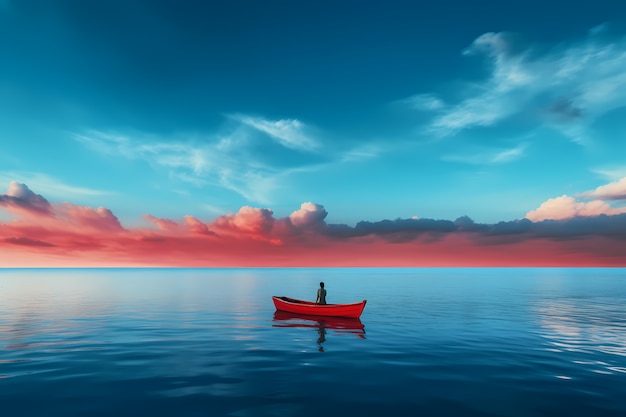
[321,295]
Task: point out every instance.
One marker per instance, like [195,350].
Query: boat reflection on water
[339,325]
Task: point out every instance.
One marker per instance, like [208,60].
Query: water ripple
[185,343]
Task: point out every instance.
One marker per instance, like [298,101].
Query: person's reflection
[320,324]
[321,330]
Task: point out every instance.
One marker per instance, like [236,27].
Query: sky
[326,133]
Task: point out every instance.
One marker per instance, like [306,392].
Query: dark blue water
[431,342]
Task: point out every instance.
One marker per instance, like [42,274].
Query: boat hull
[340,324]
[292,305]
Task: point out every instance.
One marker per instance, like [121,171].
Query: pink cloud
[26,241]
[196,226]
[20,199]
[565,207]
[100,218]
[69,235]
[254,221]
[613,191]
[162,224]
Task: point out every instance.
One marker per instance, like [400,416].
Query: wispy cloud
[220,162]
[424,102]
[55,188]
[234,158]
[612,174]
[566,87]
[360,153]
[105,143]
[488,156]
[290,133]
[24,241]
[509,155]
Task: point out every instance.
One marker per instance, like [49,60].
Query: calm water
[431,342]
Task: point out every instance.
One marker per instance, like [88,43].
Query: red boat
[339,324]
[291,305]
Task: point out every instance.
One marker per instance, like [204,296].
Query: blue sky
[375,110]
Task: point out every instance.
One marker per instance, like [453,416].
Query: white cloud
[253,185]
[509,155]
[220,163]
[566,207]
[105,143]
[613,191]
[308,214]
[424,102]
[566,88]
[214,209]
[489,156]
[612,174]
[493,44]
[231,159]
[178,155]
[360,153]
[480,111]
[290,133]
[53,187]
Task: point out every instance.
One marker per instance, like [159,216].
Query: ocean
[207,342]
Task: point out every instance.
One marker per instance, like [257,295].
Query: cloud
[498,97]
[24,241]
[509,155]
[104,143]
[398,230]
[251,220]
[613,191]
[565,207]
[613,173]
[424,102]
[233,158]
[196,226]
[53,186]
[192,158]
[100,218]
[565,110]
[488,156]
[222,162]
[71,235]
[583,227]
[359,153]
[162,224]
[288,132]
[20,198]
[226,161]
[309,214]
[565,87]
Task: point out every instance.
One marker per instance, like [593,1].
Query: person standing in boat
[321,295]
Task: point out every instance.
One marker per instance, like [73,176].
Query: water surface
[198,342]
